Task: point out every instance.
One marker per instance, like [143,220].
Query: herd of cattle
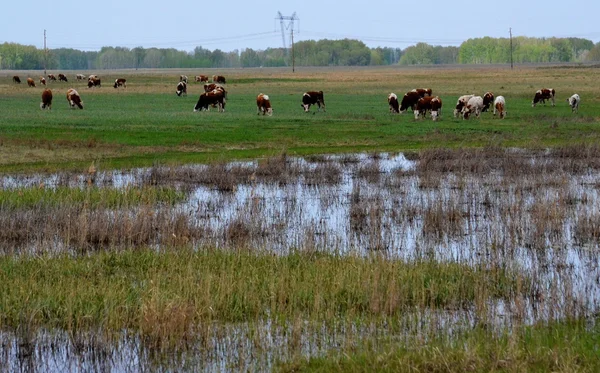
[419,100]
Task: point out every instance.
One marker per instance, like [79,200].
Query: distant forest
[346,52]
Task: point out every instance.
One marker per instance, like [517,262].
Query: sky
[238,24]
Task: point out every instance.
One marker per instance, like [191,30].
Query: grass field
[147,123]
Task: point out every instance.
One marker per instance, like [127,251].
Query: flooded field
[531,213]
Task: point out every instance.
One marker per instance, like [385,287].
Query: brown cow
[74,99]
[211,98]
[218,79]
[183,78]
[409,101]
[51,77]
[94,82]
[16,79]
[42,80]
[422,107]
[542,95]
[181,89]
[201,78]
[30,82]
[120,82]
[46,99]
[313,98]
[263,104]
[462,102]
[62,78]
[500,107]
[423,91]
[393,102]
[436,108]
[488,99]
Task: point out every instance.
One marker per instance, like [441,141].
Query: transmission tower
[288,26]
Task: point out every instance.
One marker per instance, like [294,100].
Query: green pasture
[147,123]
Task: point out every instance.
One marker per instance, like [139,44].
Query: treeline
[346,52]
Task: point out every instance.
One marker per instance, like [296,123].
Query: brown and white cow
[51,77]
[201,78]
[542,95]
[74,99]
[263,104]
[500,107]
[488,99]
[473,106]
[46,99]
[211,98]
[30,82]
[16,79]
[212,86]
[181,89]
[80,77]
[462,102]
[574,102]
[218,79]
[94,82]
[422,107]
[120,82]
[62,78]
[436,108]
[313,98]
[93,76]
[423,91]
[409,101]
[183,78]
[42,80]
[393,103]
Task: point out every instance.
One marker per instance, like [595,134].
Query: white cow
[500,107]
[462,102]
[574,102]
[473,106]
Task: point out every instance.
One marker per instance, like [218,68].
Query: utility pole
[45,53]
[293,57]
[511,48]
[290,26]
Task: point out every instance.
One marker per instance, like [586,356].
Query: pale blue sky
[237,24]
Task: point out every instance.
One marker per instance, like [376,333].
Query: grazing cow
[409,101]
[500,107]
[93,76]
[74,99]
[16,79]
[201,78]
[80,77]
[422,107]
[574,102]
[473,106]
[423,91]
[488,99]
[46,99]
[542,95]
[120,82]
[462,101]
[218,79]
[94,82]
[51,77]
[393,102]
[436,108]
[183,78]
[211,98]
[30,82]
[181,89]
[62,78]
[263,104]
[212,86]
[313,98]
[42,80]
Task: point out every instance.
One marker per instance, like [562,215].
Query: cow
[201,78]
[409,101]
[436,108]
[93,76]
[80,77]
[462,101]
[218,79]
[422,107]
[542,95]
[263,104]
[30,82]
[94,82]
[16,79]
[183,78]
[423,91]
[473,106]
[46,99]
[500,107]
[51,77]
[62,78]
[181,89]
[211,98]
[212,86]
[120,82]
[74,99]
[574,102]
[42,80]
[488,99]
[393,102]
[313,98]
